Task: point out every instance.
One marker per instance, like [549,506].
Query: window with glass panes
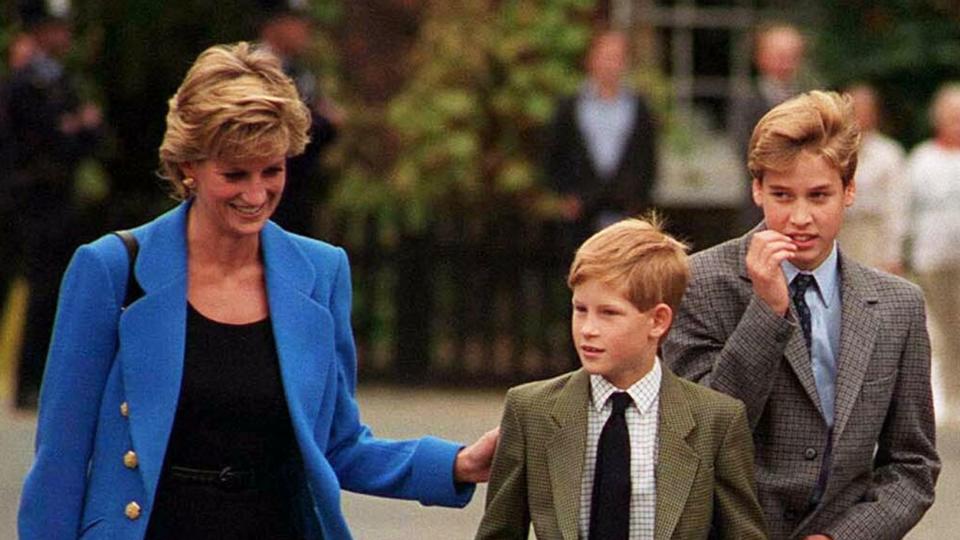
[705,47]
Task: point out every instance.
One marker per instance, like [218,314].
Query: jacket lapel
[153,334]
[152,340]
[566,450]
[858,333]
[677,462]
[796,352]
[798,356]
[676,468]
[302,328]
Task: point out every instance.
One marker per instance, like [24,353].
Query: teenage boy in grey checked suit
[834,366]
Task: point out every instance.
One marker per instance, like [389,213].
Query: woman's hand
[473,462]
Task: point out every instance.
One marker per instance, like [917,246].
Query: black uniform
[8,236]
[40,97]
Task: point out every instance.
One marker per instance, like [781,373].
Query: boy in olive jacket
[622,448]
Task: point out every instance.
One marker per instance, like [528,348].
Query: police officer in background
[286,29]
[51,131]
[8,236]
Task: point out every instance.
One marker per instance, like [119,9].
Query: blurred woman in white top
[874,226]
[933,171]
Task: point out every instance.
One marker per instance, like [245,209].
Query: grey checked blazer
[884,461]
[704,477]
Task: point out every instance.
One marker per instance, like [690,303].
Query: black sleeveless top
[231,412]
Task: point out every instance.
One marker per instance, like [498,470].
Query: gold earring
[188,182]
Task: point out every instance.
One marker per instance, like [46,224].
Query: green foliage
[464,130]
[92,185]
[907,48]
[325,11]
[6,37]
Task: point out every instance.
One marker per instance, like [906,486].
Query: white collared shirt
[642,424]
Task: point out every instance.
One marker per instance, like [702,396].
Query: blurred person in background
[287,31]
[52,131]
[778,50]
[933,173]
[873,228]
[21,48]
[601,152]
[218,402]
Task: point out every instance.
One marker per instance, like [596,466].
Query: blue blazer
[102,356]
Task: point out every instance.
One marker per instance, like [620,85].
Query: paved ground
[459,415]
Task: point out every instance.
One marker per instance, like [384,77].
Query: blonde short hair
[636,256]
[820,123]
[235,103]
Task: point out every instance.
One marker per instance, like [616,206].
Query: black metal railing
[478,301]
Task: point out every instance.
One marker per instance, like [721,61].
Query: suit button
[132,511]
[810,453]
[130,460]
[124,409]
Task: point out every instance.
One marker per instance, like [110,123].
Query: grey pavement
[455,414]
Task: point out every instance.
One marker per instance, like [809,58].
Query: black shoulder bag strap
[134,292]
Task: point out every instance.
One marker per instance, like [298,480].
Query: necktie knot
[800,284]
[620,401]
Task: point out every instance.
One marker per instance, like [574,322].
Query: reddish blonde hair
[635,255]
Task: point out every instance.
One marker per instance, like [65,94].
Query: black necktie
[610,501]
[799,286]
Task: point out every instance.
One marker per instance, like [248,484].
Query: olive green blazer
[704,474]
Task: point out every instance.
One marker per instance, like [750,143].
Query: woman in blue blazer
[221,402]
